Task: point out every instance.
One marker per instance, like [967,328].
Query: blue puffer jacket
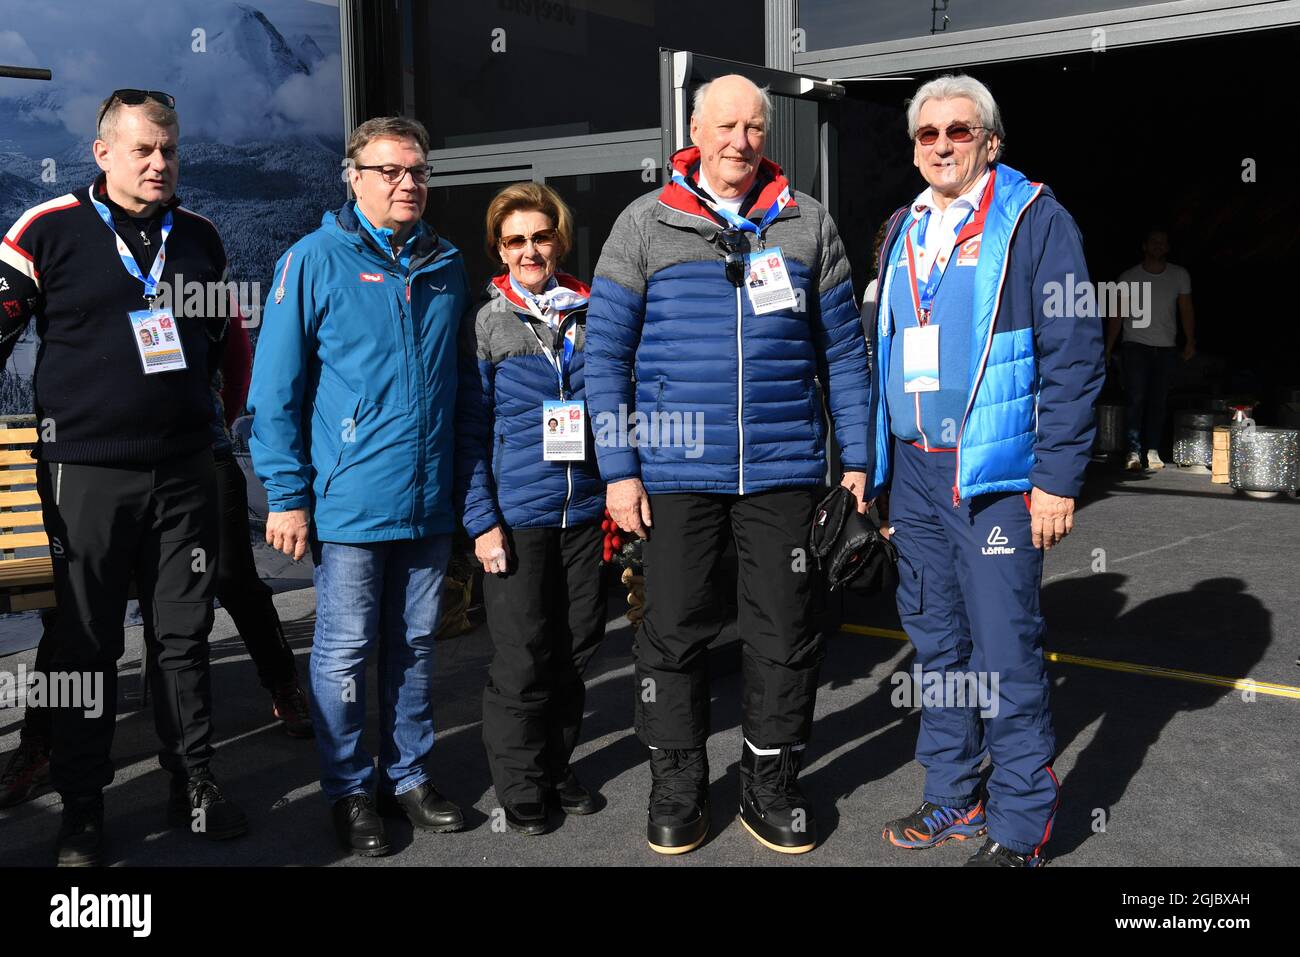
[689,389]
[1034,376]
[354,384]
[501,477]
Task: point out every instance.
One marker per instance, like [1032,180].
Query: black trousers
[547,617]
[776,616]
[240,589]
[107,525]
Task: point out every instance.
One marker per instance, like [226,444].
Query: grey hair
[702,91]
[153,111]
[951,87]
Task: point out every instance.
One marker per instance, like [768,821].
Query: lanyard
[128,260]
[923,296]
[559,363]
[730,218]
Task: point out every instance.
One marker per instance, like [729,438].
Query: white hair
[951,87]
[702,92]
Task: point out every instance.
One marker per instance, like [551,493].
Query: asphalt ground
[1154,771]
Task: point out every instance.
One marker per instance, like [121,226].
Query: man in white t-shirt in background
[1149,344]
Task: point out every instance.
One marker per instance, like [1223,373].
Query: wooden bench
[26,573]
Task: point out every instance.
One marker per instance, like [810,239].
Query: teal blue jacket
[354,384]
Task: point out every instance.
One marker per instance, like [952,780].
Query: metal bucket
[1194,438]
[1110,429]
[1264,460]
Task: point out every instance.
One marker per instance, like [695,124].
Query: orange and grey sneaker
[930,825]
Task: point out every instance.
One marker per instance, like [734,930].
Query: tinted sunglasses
[958,133]
[542,239]
[135,98]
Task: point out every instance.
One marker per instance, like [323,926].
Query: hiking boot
[993,854]
[572,796]
[678,820]
[81,832]
[772,808]
[931,824]
[197,804]
[28,770]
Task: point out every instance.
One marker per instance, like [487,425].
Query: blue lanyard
[128,260]
[732,219]
[925,294]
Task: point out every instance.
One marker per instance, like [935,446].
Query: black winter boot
[679,800]
[772,808]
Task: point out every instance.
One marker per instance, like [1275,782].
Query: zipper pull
[956,497]
[408,290]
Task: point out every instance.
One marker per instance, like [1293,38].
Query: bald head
[729,125]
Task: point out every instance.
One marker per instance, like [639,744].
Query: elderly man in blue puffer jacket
[721,324]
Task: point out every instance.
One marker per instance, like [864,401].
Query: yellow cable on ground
[1155,671]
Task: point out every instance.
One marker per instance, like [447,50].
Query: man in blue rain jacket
[353,398]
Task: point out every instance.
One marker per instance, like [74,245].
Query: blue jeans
[389,594]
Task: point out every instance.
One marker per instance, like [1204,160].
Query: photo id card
[158,340]
[921,358]
[768,282]
[564,431]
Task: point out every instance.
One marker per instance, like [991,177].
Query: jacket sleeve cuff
[288,503]
[1055,484]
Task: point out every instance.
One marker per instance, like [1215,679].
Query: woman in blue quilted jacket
[531,498]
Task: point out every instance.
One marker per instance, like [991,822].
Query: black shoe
[679,800]
[993,854]
[572,797]
[772,808]
[198,805]
[425,808]
[528,818]
[28,770]
[289,705]
[359,828]
[81,833]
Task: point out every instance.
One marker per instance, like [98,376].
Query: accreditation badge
[921,358]
[768,282]
[158,340]
[564,431]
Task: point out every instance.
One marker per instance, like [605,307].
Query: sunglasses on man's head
[957,133]
[542,239]
[130,97]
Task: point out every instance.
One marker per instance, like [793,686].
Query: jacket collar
[500,286]
[680,206]
[346,225]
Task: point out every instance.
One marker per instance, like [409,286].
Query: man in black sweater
[124,455]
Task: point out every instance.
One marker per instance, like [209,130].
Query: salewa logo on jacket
[372,277]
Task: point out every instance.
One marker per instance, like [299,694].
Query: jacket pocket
[816,409]
[498,453]
[346,431]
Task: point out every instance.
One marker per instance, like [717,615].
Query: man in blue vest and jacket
[353,398]
[721,326]
[982,394]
